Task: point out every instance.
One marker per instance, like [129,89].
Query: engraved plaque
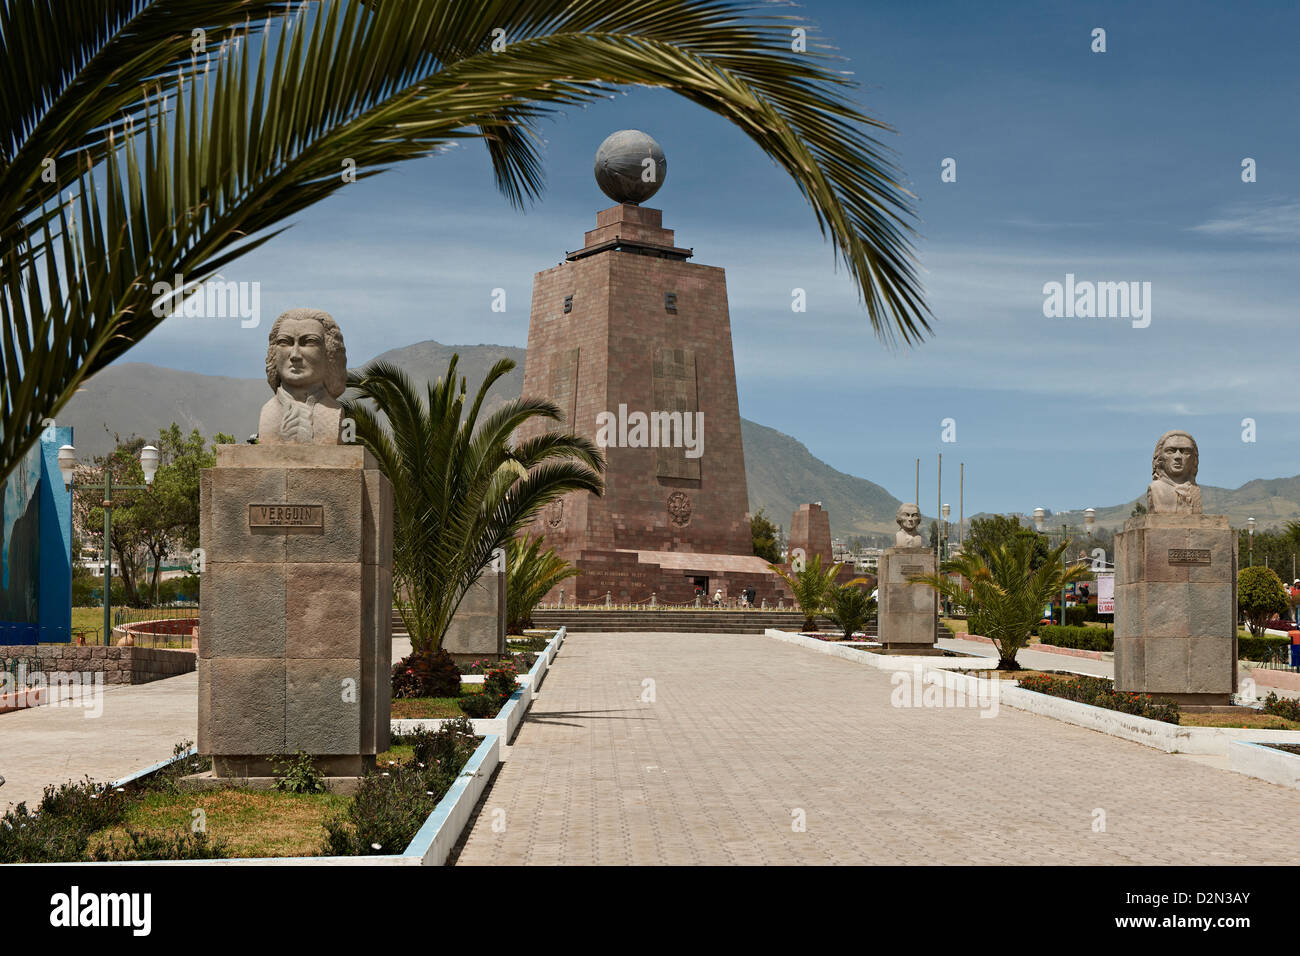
[288,516]
[910,569]
[1189,555]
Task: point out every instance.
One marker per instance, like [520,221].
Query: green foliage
[810,587]
[298,774]
[1083,638]
[1260,648]
[426,674]
[392,804]
[480,705]
[227,144]
[1004,594]
[59,829]
[990,533]
[851,608]
[1260,597]
[763,532]
[500,684]
[530,575]
[1100,692]
[460,488]
[1285,707]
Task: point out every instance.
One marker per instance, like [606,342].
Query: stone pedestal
[478,628]
[907,612]
[1176,608]
[296,652]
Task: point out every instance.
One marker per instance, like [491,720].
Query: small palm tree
[1005,594]
[809,585]
[851,607]
[530,574]
[460,491]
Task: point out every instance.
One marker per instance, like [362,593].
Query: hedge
[1083,638]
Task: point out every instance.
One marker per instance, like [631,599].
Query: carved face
[1176,457]
[300,354]
[909,518]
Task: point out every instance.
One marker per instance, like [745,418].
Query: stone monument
[632,341]
[906,612]
[478,628]
[1176,588]
[810,531]
[297,535]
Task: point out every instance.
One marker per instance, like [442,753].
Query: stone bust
[909,519]
[306,367]
[1173,488]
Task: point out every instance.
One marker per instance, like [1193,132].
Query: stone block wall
[119,665]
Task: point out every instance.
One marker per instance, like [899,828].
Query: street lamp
[1089,519]
[1250,527]
[946,511]
[149,458]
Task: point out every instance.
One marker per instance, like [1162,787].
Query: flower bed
[1100,692]
[151,817]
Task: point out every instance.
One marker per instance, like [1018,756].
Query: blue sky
[1115,166]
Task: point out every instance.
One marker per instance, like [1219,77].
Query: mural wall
[36,551]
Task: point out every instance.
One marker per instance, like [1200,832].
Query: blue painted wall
[36,552]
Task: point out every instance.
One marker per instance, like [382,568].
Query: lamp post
[1250,529]
[946,511]
[67,467]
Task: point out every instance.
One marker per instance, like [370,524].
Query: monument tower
[633,342]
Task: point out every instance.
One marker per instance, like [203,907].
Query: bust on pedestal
[297,533]
[1176,588]
[907,611]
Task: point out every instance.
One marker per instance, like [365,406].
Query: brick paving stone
[744,730]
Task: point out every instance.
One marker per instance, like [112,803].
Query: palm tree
[1004,594]
[530,574]
[459,490]
[141,139]
[850,607]
[810,586]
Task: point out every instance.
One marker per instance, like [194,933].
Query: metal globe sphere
[630,166]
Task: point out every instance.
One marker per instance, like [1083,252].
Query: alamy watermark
[1098,300]
[83,689]
[624,429]
[214,299]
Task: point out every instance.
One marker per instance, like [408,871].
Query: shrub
[391,805]
[851,608]
[500,683]
[479,705]
[1100,692]
[298,774]
[1285,707]
[429,674]
[60,827]
[1083,638]
[1260,648]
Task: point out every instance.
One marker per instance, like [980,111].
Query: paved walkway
[1041,660]
[138,726]
[747,732]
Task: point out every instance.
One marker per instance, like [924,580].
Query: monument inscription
[286,516]
[1189,555]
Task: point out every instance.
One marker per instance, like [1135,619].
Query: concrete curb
[1265,763]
